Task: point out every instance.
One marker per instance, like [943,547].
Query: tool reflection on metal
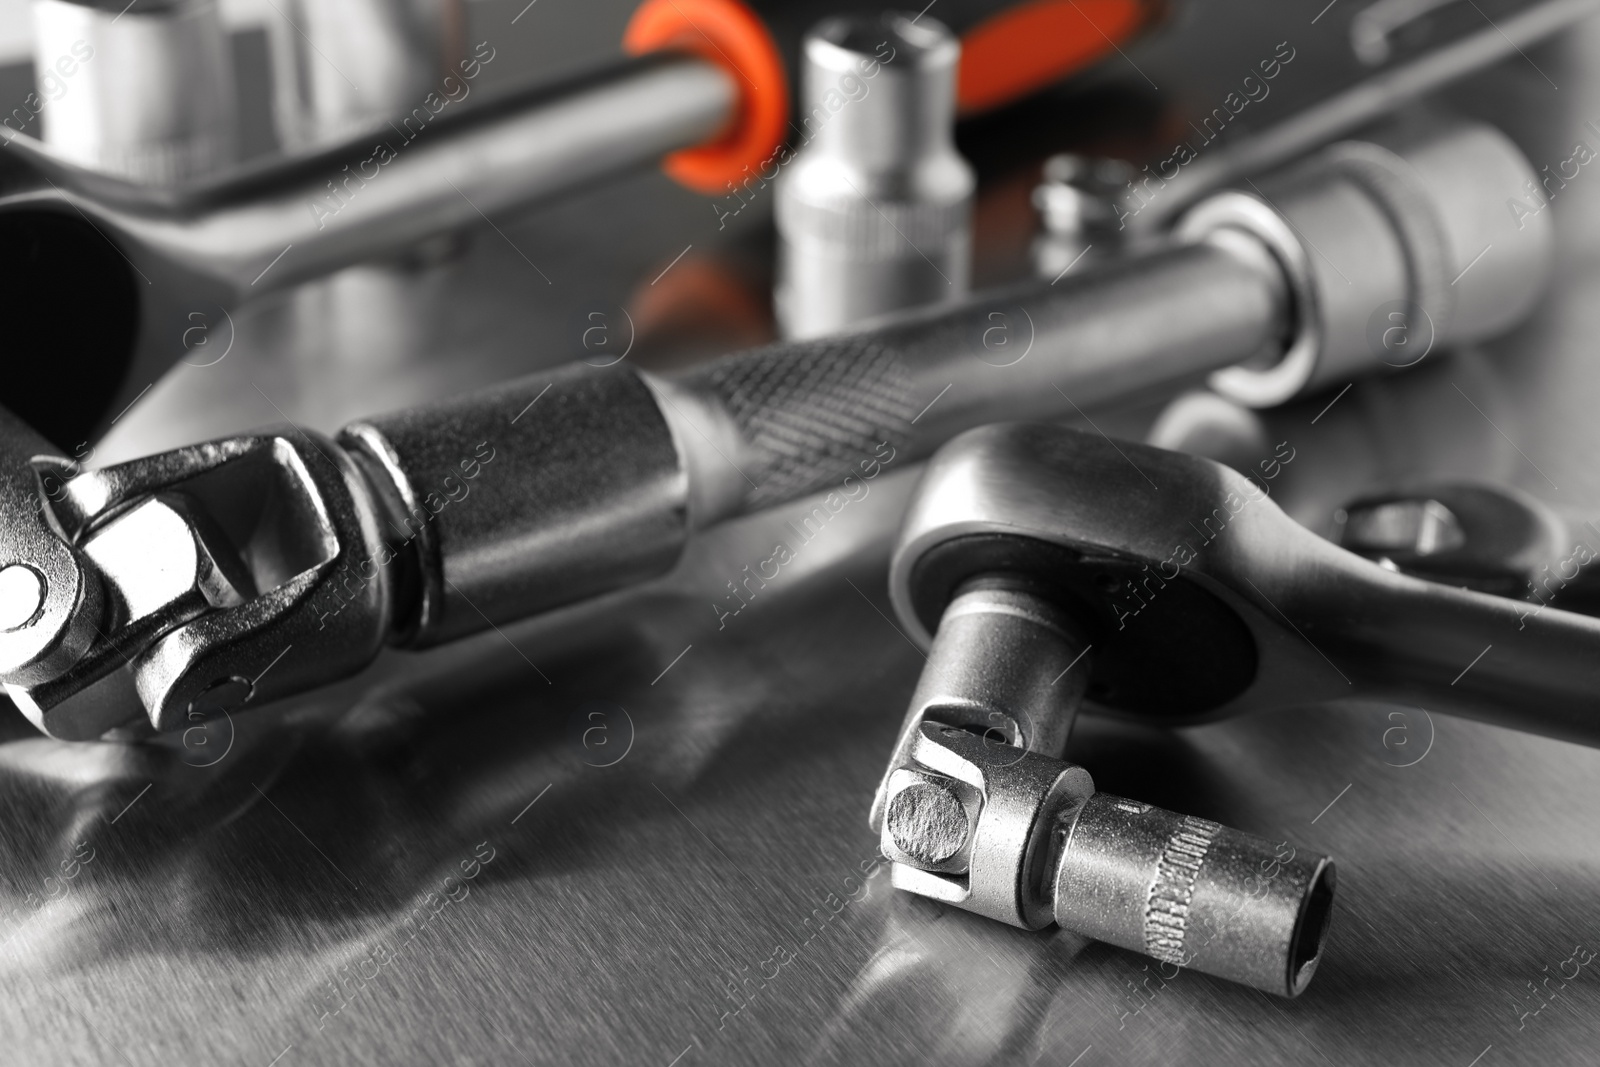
[197,569]
[979,810]
[874,214]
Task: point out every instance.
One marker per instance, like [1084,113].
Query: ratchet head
[181,584]
[1202,599]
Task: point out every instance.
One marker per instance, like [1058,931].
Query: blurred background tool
[206,247]
[600,482]
[707,89]
[874,211]
[143,90]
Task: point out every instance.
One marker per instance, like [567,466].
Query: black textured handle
[810,412]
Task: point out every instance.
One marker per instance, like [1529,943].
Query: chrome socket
[979,811]
[873,214]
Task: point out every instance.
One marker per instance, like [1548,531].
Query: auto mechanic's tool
[979,810]
[1080,208]
[199,567]
[706,89]
[705,84]
[142,90]
[1491,538]
[874,213]
[1249,609]
[1046,569]
[407,49]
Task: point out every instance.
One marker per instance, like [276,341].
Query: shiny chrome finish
[873,214]
[1251,611]
[1192,893]
[146,88]
[407,48]
[441,167]
[194,570]
[990,819]
[1079,200]
[588,479]
[1369,101]
[1392,247]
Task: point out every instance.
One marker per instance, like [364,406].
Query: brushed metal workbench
[626,835]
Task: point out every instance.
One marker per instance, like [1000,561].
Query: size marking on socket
[1166,915]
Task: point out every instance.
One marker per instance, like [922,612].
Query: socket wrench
[1047,570]
[198,568]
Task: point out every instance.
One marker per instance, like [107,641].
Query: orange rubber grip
[1006,56]
[1028,46]
[730,35]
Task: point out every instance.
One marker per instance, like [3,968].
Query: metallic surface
[1018,799]
[1000,667]
[600,487]
[1210,551]
[1368,101]
[270,226]
[1379,244]
[1078,199]
[143,91]
[874,212]
[1487,537]
[205,928]
[978,810]
[1195,894]
[209,564]
[407,48]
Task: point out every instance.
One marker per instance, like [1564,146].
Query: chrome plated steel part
[262,228]
[1079,200]
[1393,247]
[596,475]
[873,214]
[142,90]
[988,818]
[407,48]
[1347,111]
[1193,893]
[195,570]
[1251,610]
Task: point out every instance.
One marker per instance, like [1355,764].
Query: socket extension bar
[168,583]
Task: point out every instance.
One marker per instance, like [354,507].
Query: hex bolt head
[927,821]
[21,596]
